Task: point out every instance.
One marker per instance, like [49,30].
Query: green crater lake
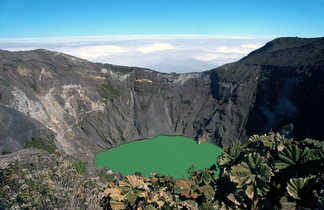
[168,155]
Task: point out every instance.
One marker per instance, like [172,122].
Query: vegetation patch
[266,172]
[44,144]
[106,177]
[144,106]
[107,92]
[47,182]
[161,192]
[187,102]
[34,86]
[5,152]
[80,166]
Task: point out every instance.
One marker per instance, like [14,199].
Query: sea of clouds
[164,53]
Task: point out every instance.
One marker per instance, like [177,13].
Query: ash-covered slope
[91,107]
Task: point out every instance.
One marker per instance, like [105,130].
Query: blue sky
[42,18]
[165,35]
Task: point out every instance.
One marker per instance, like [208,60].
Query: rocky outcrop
[290,95]
[24,156]
[91,107]
[16,128]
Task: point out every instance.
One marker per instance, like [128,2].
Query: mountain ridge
[92,107]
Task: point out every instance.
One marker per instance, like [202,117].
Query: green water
[171,155]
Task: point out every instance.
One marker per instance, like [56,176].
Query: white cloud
[155,47]
[94,52]
[19,48]
[251,46]
[210,56]
[226,49]
[227,52]
[167,53]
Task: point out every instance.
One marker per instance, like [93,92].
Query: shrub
[80,166]
[38,143]
[107,92]
[266,172]
[106,177]
[47,182]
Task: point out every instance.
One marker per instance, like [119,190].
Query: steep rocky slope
[91,107]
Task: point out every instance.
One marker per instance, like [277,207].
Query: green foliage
[295,186]
[291,155]
[253,175]
[144,106]
[120,69]
[187,102]
[313,144]
[230,155]
[44,144]
[5,152]
[269,168]
[106,177]
[191,171]
[107,92]
[286,203]
[161,191]
[206,206]
[34,86]
[80,166]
